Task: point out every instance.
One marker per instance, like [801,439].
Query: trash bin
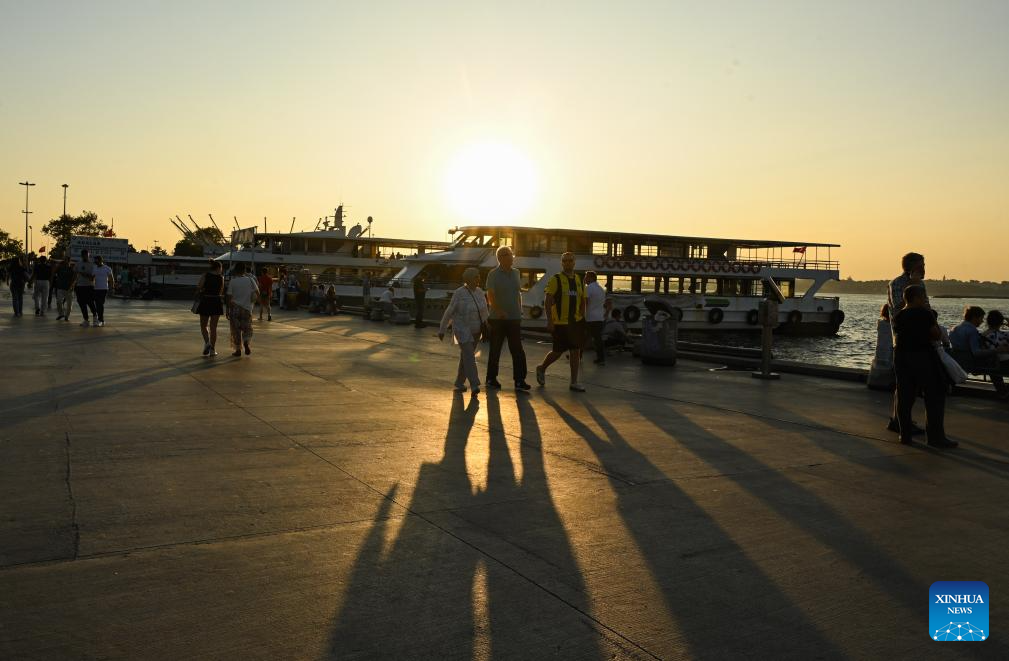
[658,334]
[377,314]
[291,300]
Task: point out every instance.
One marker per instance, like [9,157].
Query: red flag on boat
[801,249]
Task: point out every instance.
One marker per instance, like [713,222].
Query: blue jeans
[17,297]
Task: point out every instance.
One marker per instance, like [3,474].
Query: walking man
[41,276]
[419,293]
[84,287]
[63,283]
[504,291]
[913,266]
[265,293]
[104,282]
[565,305]
[366,294]
[241,296]
[595,314]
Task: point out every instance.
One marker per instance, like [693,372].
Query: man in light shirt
[241,296]
[504,291]
[595,314]
[104,281]
[84,287]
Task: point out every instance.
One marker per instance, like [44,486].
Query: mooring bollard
[767,316]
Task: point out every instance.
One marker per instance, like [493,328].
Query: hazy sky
[882,126]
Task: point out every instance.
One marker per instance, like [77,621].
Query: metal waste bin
[659,333]
[291,300]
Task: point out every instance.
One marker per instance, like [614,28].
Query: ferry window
[672,250]
[600,248]
[649,283]
[537,243]
[622,283]
[647,250]
[314,245]
[505,240]
[711,286]
[558,244]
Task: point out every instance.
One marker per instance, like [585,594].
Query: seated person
[614,331]
[996,338]
[331,305]
[386,302]
[966,338]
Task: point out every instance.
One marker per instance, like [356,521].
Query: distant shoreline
[936,288]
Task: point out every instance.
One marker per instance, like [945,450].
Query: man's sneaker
[943,443]
[577,387]
[213,352]
[541,375]
[237,354]
[206,349]
[269,317]
[522,385]
[100,323]
[247,349]
[494,384]
[85,323]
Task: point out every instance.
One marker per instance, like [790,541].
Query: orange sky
[878,128]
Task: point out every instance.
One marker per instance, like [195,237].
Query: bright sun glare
[491,182]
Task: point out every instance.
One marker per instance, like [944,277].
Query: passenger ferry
[712,284]
[328,254]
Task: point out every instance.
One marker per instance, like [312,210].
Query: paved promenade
[329,496]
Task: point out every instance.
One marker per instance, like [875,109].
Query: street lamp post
[26,184]
[65,186]
[30,232]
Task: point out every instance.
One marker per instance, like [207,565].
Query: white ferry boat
[712,284]
[329,254]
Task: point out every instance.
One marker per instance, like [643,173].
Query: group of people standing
[919,343]
[89,282]
[573,305]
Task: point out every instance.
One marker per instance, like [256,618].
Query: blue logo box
[958,611]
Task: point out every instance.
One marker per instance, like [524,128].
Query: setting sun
[491,182]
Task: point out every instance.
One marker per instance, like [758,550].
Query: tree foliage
[9,246]
[188,247]
[158,250]
[86,224]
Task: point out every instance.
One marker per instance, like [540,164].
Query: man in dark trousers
[419,293]
[913,266]
[918,368]
[504,292]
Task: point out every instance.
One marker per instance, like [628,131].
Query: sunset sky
[882,126]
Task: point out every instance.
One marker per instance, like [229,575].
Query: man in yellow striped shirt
[565,303]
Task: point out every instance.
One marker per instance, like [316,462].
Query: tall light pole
[65,187]
[26,184]
[30,232]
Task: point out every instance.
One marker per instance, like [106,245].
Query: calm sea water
[855,343]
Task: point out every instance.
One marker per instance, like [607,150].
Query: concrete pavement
[329,496]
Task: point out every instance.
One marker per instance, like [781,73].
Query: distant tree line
[945,287]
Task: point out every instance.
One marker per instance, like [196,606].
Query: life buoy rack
[535,312]
[631,314]
[795,317]
[705,266]
[654,265]
[752,317]
[715,316]
[599,261]
[836,318]
[665,264]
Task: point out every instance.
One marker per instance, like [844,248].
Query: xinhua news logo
[958,611]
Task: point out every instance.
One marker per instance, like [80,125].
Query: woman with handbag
[210,305]
[467,314]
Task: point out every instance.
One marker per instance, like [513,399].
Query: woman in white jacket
[466,313]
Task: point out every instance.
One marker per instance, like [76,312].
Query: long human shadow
[414,597]
[531,522]
[792,502]
[708,582]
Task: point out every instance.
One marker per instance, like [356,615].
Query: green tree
[158,250]
[61,229]
[9,246]
[193,246]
